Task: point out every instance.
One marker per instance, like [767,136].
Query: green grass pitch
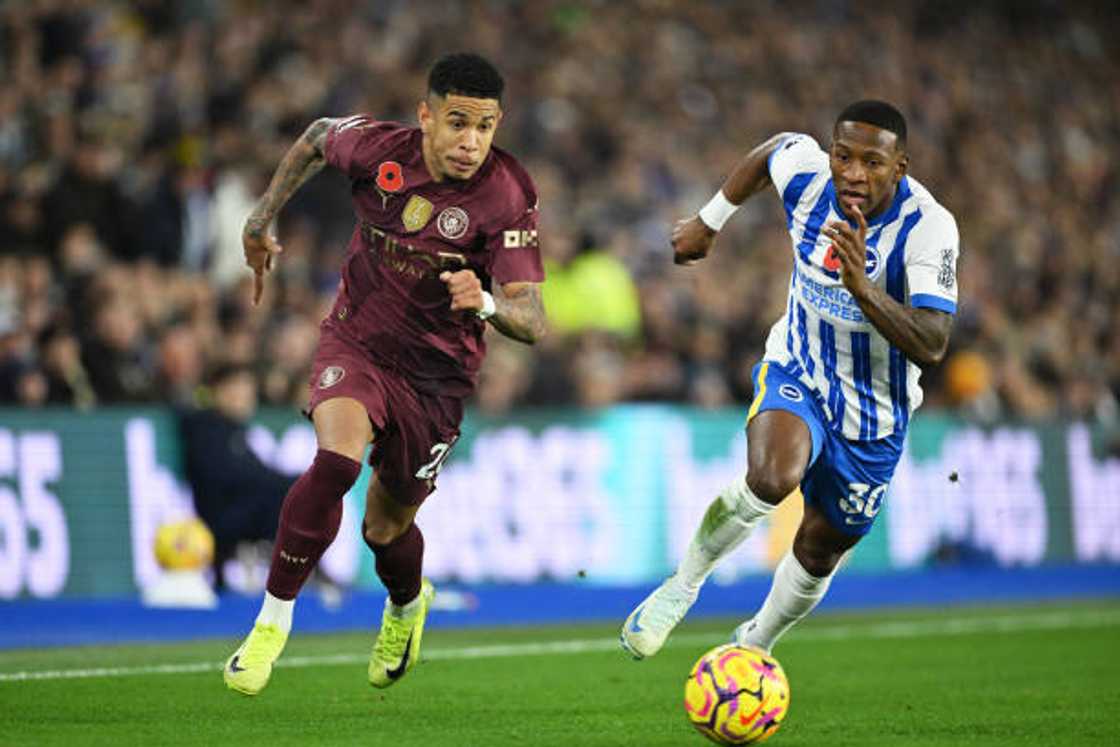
[1040,675]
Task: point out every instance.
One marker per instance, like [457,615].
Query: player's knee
[772,483]
[382,530]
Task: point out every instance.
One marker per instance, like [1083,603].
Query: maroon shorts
[413,432]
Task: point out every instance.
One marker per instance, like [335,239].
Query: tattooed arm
[520,311]
[302,161]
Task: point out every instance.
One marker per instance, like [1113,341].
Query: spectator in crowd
[132,136]
[235,493]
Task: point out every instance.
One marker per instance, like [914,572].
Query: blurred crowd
[135,137]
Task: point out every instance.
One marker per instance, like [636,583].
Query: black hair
[466,74]
[878,113]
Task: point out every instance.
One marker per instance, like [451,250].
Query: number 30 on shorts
[863,501]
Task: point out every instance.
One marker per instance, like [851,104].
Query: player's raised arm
[302,161]
[692,237]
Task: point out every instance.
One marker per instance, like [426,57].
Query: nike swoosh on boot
[398,670]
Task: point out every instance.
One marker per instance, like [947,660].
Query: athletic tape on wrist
[488,306]
[717,211]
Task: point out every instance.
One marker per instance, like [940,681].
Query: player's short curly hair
[466,74]
[878,113]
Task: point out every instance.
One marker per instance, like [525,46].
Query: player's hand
[850,247]
[465,289]
[260,247]
[691,240]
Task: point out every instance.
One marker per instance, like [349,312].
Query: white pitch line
[946,627]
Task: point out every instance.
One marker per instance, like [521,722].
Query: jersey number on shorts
[430,470]
[863,502]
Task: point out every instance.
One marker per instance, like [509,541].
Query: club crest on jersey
[453,222]
[331,375]
[873,264]
[416,214]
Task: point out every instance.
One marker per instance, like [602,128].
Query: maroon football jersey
[409,229]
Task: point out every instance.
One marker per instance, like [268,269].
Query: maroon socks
[398,565]
[309,522]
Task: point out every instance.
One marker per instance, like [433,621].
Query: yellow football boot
[397,648]
[248,670]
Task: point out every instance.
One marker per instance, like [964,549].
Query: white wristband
[717,211]
[488,306]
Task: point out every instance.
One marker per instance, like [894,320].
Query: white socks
[403,610]
[793,595]
[276,612]
[727,522]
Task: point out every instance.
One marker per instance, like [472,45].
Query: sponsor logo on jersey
[453,222]
[519,239]
[790,392]
[331,375]
[416,214]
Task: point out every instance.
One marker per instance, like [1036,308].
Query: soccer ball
[184,545]
[736,695]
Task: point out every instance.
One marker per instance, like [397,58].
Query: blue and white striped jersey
[866,385]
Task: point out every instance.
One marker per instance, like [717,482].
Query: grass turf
[1024,675]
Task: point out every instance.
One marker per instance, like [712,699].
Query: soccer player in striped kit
[871,299]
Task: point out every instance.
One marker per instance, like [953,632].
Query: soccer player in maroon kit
[445,240]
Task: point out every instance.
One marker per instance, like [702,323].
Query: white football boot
[649,625]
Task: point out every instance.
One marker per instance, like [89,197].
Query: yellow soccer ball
[184,545]
[736,695]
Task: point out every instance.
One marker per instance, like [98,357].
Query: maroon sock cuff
[337,471]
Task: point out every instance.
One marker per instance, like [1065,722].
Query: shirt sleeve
[353,145]
[931,264]
[515,248]
[798,154]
